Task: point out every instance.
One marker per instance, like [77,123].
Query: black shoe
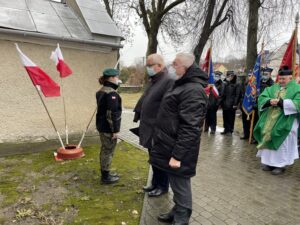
[182,216]
[180,223]
[224,132]
[205,130]
[156,192]
[113,174]
[278,171]
[166,217]
[213,132]
[148,188]
[244,138]
[267,168]
[107,178]
[254,142]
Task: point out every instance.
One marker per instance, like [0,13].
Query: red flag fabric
[287,59]
[61,66]
[205,65]
[38,77]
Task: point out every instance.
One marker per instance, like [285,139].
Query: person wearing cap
[266,79]
[277,127]
[214,103]
[230,101]
[146,111]
[108,121]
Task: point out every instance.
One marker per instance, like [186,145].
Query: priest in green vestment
[278,124]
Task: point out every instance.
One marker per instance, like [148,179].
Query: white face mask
[172,71]
[150,71]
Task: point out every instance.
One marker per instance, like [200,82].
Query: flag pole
[65,114]
[87,127]
[59,138]
[295,47]
[253,111]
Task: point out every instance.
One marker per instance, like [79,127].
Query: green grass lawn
[35,189]
[129,100]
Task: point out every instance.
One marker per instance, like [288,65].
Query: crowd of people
[172,112]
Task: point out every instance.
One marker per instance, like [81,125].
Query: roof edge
[53,37]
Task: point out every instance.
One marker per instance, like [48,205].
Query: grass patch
[129,100]
[40,190]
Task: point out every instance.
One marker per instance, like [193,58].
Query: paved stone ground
[230,188]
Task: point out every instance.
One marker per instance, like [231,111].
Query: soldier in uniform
[108,121]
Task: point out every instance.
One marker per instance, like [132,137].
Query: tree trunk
[206,31]
[152,43]
[201,44]
[254,6]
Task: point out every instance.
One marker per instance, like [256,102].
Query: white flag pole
[59,138]
[36,88]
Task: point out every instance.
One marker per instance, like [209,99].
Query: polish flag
[61,66]
[38,77]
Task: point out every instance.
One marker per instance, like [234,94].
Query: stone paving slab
[230,188]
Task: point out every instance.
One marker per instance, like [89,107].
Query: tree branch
[144,15]
[171,6]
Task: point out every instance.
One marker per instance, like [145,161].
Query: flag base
[70,152]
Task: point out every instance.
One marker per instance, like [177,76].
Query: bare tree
[152,14]
[212,15]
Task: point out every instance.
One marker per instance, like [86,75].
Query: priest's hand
[175,164]
[274,102]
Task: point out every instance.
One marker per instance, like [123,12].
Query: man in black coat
[177,134]
[232,96]
[213,104]
[146,111]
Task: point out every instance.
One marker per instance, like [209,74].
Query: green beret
[109,72]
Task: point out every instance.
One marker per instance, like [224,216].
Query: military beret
[110,72]
[285,71]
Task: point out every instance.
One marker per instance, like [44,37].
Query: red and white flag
[61,66]
[38,77]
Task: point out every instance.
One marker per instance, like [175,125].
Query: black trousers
[229,118]
[246,124]
[181,187]
[211,119]
[160,178]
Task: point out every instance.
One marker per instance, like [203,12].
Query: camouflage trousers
[106,150]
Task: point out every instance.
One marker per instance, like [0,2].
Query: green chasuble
[273,126]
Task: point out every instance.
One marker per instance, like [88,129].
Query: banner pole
[59,138]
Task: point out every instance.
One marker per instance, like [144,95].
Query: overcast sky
[134,51]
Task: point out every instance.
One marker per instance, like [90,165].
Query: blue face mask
[264,78]
[150,71]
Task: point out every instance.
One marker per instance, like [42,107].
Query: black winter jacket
[263,85]
[179,124]
[232,95]
[109,103]
[213,101]
[147,107]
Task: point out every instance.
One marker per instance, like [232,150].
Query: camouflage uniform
[108,120]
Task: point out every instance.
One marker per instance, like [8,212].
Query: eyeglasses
[150,65]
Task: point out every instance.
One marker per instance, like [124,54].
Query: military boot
[107,178]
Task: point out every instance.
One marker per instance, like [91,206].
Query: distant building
[220,67]
[89,40]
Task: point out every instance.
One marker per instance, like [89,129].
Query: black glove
[267,104]
[280,103]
